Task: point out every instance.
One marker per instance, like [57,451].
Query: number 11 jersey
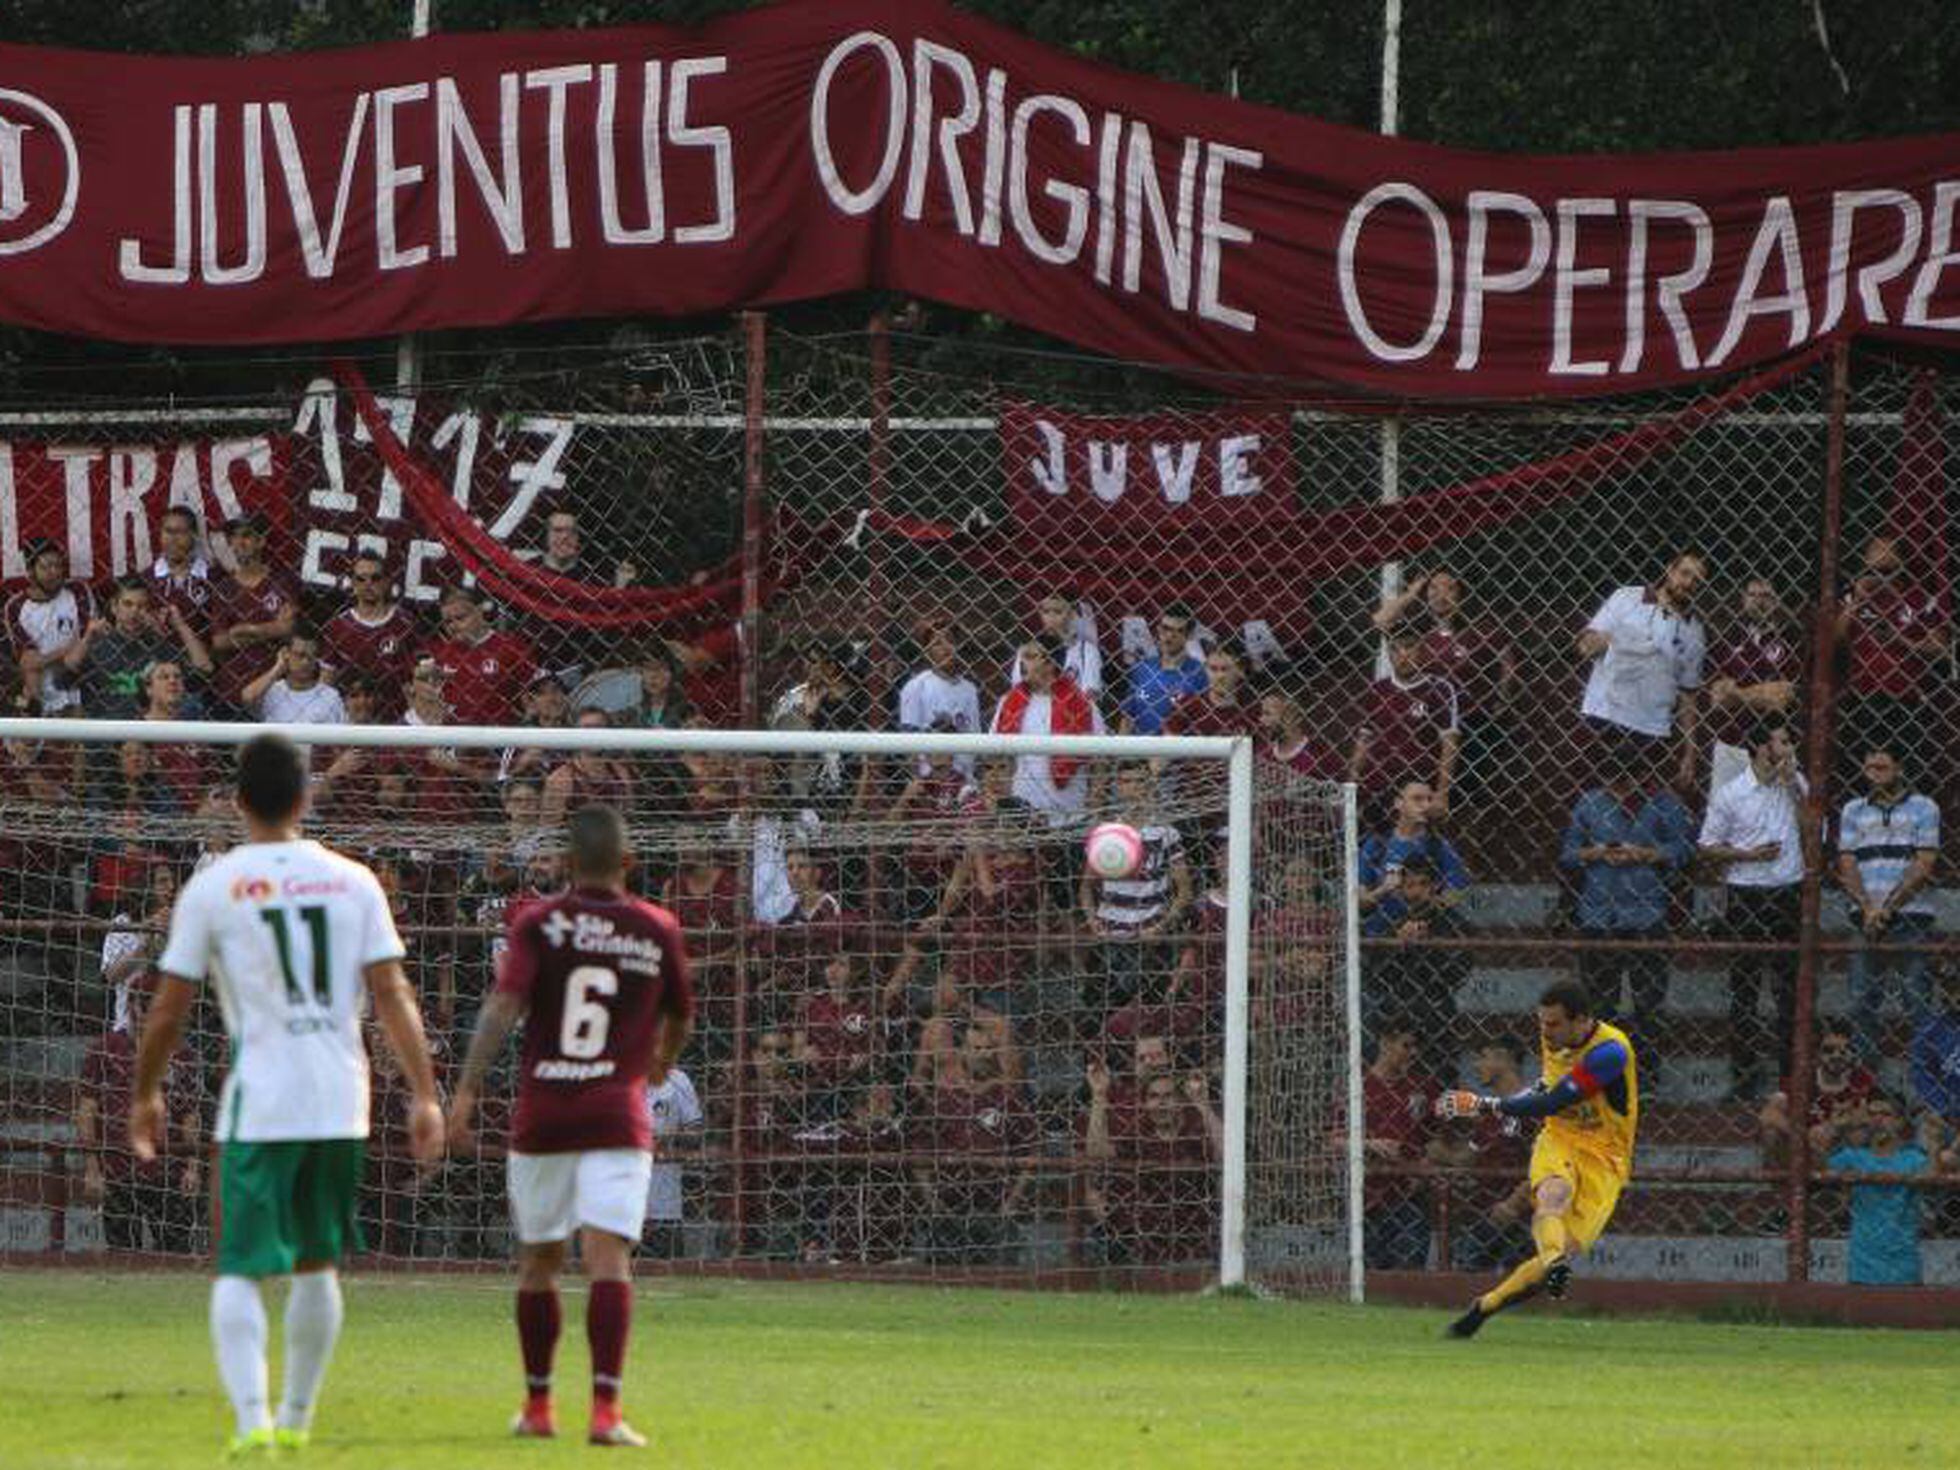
[286,932]
[598,971]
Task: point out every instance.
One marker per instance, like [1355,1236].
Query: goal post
[931,1045]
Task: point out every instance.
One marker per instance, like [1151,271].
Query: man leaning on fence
[1623,844]
[1753,832]
[1888,847]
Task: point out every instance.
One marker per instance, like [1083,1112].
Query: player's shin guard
[608,1319]
[313,1317]
[539,1321]
[238,1334]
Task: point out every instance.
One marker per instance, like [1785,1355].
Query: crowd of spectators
[908,1035]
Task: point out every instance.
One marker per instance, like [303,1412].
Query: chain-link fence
[1616,682]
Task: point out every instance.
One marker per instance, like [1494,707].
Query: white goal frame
[1235,751]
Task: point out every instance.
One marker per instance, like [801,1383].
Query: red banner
[834,145]
[102,502]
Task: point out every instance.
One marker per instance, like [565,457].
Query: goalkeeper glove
[1459,1104]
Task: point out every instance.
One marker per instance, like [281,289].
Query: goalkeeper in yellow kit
[1589,1096]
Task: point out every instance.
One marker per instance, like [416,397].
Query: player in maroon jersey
[603,978]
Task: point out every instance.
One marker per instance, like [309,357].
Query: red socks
[608,1318]
[538,1324]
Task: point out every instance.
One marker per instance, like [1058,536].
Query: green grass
[101,1371]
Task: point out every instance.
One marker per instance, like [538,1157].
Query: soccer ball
[1113,850]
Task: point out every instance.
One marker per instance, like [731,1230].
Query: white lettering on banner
[841,194]
[389,177]
[13,565]
[1183,221]
[1174,463]
[319,256]
[1566,280]
[112,492]
[129,256]
[1844,214]
[1778,231]
[555,81]
[1072,197]
[132,471]
[76,461]
[1669,290]
[1348,274]
[1479,281]
[927,55]
[252,157]
[1235,476]
[717,140]
[1939,255]
[502,199]
[1174,478]
[610,227]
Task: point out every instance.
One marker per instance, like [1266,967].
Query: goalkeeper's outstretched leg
[1549,1269]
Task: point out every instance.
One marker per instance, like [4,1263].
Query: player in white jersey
[294,937]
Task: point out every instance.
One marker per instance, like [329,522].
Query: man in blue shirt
[1888,847]
[1621,845]
[1383,856]
[1157,684]
[1884,1245]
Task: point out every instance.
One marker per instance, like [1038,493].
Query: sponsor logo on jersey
[251,890]
[312,887]
[557,1069]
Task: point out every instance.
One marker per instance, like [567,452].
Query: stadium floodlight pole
[1357,1158]
[1238,1008]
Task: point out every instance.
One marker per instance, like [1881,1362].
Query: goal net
[929,1044]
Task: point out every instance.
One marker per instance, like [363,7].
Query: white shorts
[551,1195]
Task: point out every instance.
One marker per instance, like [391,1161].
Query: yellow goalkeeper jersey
[1602,1123]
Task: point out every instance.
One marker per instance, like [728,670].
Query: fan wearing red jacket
[603,979]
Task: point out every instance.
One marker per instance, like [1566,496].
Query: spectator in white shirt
[939,696]
[1048,702]
[1070,625]
[291,690]
[675,1108]
[1647,647]
[1754,831]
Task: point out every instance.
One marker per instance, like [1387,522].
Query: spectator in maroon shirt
[487,670]
[1409,726]
[837,1033]
[252,614]
[1473,655]
[1839,1091]
[1754,669]
[587,778]
[443,782]
[1222,708]
[1396,1104]
[181,575]
[976,1127]
[1286,740]
[1894,632]
[183,771]
[547,706]
[159,1196]
[1492,1214]
[373,633]
[1152,1199]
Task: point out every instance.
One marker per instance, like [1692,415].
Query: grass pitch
[113,1371]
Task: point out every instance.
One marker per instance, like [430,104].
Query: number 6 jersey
[286,932]
[598,971]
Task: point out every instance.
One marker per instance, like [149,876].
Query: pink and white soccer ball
[1113,850]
